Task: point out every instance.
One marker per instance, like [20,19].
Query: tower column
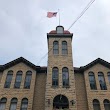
[60,72]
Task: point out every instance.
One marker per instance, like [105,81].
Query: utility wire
[82,13]
[47,53]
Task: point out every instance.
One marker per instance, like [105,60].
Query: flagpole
[59,16]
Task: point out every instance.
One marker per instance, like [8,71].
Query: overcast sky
[24,25]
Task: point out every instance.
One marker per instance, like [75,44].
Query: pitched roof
[18,60]
[44,69]
[98,60]
[28,63]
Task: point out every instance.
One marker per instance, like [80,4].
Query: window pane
[64,48]
[92,81]
[96,104]
[55,77]
[3,103]
[109,77]
[8,79]
[18,79]
[28,80]
[107,104]
[24,104]
[13,104]
[65,77]
[102,81]
[55,47]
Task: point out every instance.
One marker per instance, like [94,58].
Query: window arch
[64,48]
[13,104]
[3,103]
[24,104]
[106,104]
[8,79]
[108,77]
[60,101]
[96,104]
[55,47]
[55,73]
[28,79]
[65,76]
[92,81]
[18,79]
[102,81]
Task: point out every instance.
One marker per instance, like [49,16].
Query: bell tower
[60,85]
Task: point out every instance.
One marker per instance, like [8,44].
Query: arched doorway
[60,102]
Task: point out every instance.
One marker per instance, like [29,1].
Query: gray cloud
[23,28]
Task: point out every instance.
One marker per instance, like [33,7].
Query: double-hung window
[102,81]
[55,76]
[24,104]
[64,48]
[55,48]
[92,81]
[8,79]
[28,80]
[18,79]
[65,77]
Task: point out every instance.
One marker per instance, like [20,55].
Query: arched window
[55,76]
[92,81]
[13,104]
[18,79]
[102,81]
[108,77]
[65,77]
[24,104]
[64,48]
[106,104]
[55,48]
[3,103]
[28,79]
[8,79]
[96,104]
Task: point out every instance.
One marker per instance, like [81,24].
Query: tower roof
[61,28]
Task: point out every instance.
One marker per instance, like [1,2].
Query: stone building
[60,85]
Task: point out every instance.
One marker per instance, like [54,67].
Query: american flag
[51,14]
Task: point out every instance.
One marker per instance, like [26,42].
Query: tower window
[18,79]
[28,80]
[102,81]
[96,104]
[3,103]
[55,76]
[106,104]
[55,48]
[8,79]
[65,77]
[64,48]
[24,104]
[92,81]
[13,104]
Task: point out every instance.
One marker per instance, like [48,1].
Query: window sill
[66,87]
[99,90]
[55,87]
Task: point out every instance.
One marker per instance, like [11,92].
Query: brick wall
[20,93]
[1,76]
[60,61]
[81,96]
[97,94]
[39,92]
